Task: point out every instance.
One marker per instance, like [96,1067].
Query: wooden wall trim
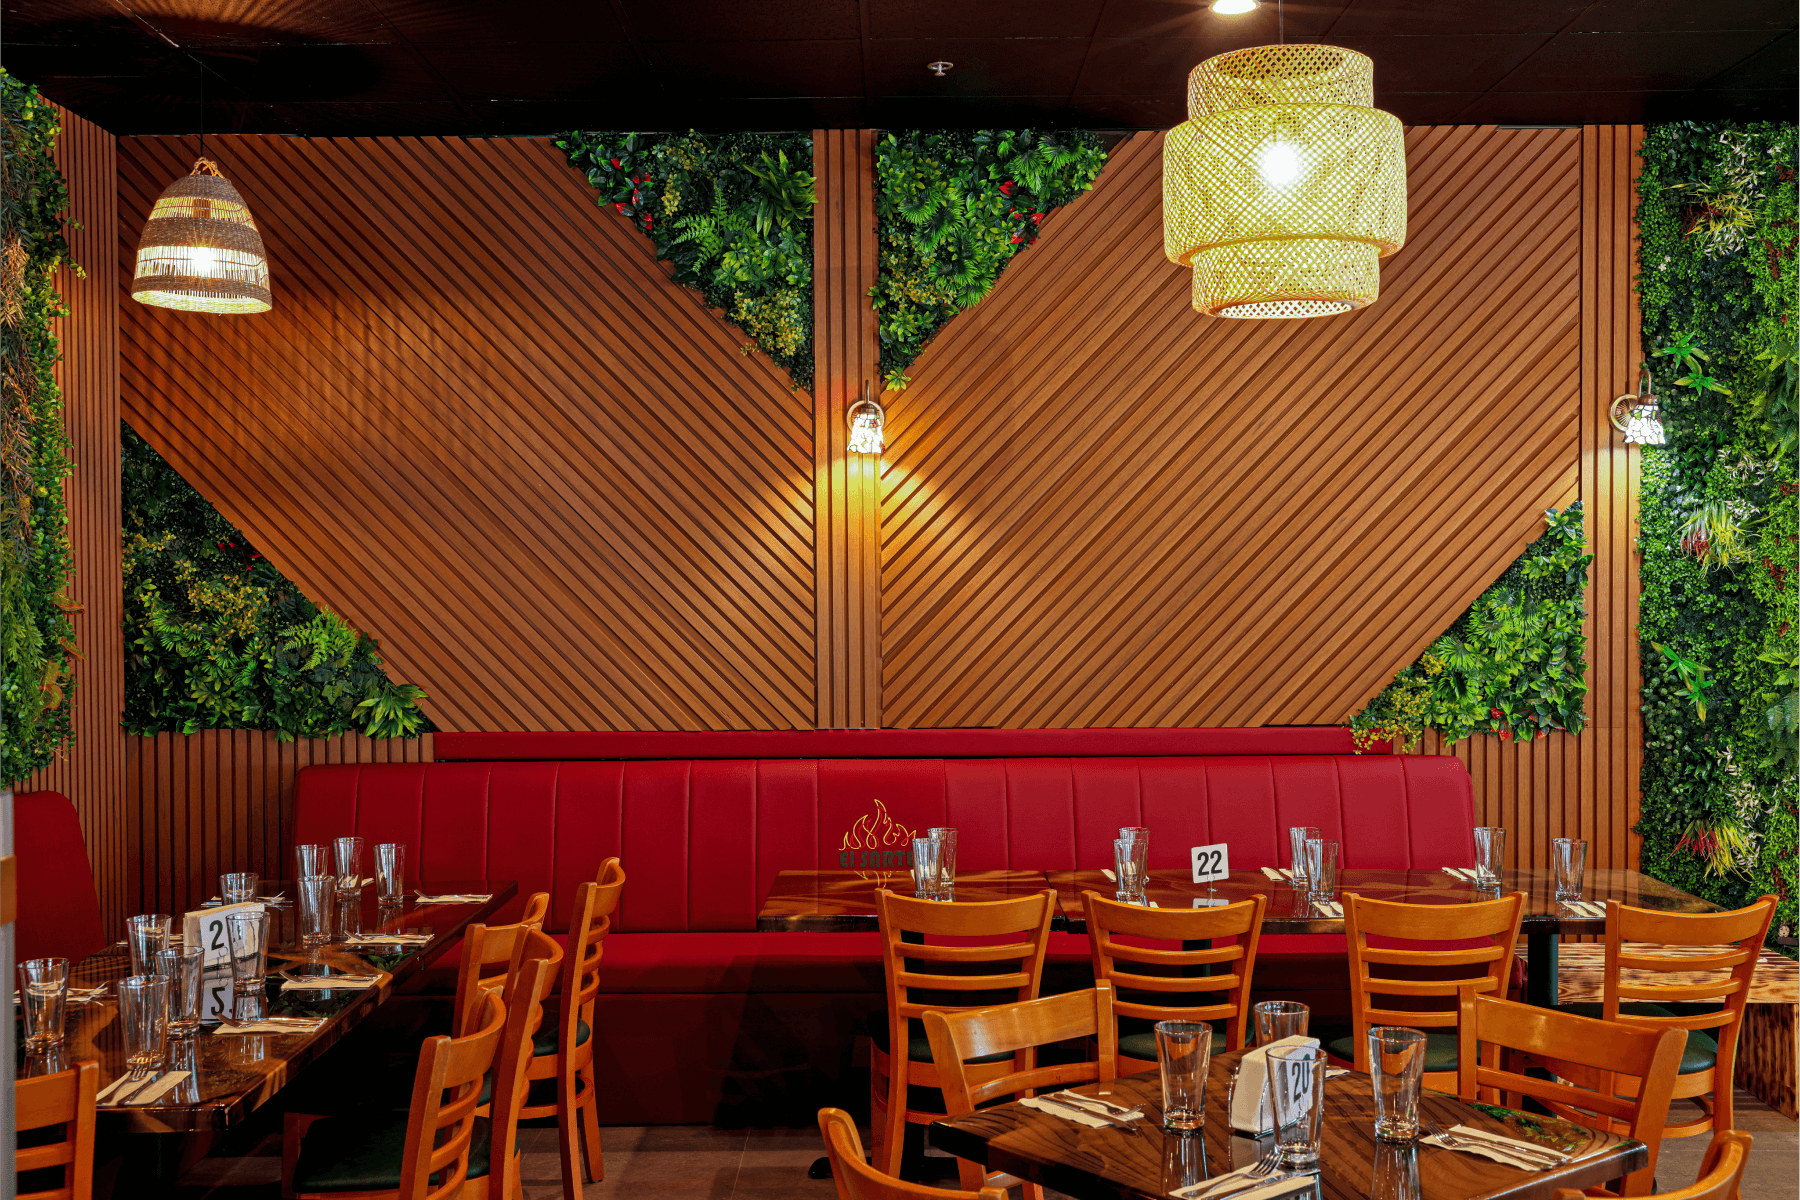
[91,770]
[847,575]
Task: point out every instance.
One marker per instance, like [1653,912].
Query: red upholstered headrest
[59,911]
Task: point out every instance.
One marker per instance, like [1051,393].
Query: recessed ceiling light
[940,68]
[1233,8]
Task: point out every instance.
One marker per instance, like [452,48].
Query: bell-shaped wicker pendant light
[200,251]
[1284,186]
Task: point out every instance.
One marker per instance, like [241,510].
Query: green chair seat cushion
[1440,1048]
[918,1047]
[543,1043]
[1700,1053]
[363,1152]
[1141,1044]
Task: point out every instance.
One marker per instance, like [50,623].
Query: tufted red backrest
[59,911]
[703,839]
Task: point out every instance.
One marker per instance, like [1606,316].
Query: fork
[1530,1154]
[1117,1110]
[1265,1166]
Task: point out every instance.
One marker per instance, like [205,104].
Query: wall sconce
[867,420]
[1638,416]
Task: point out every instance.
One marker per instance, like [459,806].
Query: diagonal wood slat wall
[1103,509]
[483,425]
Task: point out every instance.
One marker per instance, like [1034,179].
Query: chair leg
[589,1115]
[894,1145]
[568,1144]
[293,1132]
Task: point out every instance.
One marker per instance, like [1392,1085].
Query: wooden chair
[1710,1058]
[1428,974]
[565,1052]
[1165,974]
[977,1033]
[445,1149]
[490,958]
[1580,1050]
[1721,1172]
[857,1180]
[920,976]
[44,1102]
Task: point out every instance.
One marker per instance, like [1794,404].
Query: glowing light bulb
[866,433]
[1233,8]
[203,261]
[1278,163]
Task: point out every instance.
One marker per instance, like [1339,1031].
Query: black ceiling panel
[483,67]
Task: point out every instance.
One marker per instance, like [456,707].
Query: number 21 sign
[1211,863]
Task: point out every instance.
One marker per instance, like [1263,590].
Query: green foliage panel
[1512,665]
[952,208]
[217,638]
[733,212]
[37,637]
[1719,506]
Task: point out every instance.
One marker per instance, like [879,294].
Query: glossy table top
[844,901]
[1110,1164]
[233,1074]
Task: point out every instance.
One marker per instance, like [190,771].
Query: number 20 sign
[1211,863]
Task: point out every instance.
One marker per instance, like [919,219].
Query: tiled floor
[694,1162]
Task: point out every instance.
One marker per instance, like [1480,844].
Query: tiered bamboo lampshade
[200,251]
[1284,186]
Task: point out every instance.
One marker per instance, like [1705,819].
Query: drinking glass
[310,860]
[1298,836]
[1396,1063]
[237,887]
[316,893]
[1128,865]
[44,994]
[184,969]
[247,936]
[1184,1160]
[1135,833]
[144,1013]
[1297,1085]
[945,837]
[1568,862]
[925,867]
[1394,1175]
[1277,1019]
[390,871]
[146,933]
[349,916]
[348,851]
[1490,855]
[1321,868]
[1183,1051]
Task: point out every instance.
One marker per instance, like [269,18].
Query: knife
[1127,1126]
[125,1096]
[1512,1146]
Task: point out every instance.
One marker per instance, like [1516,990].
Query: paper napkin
[1272,873]
[1330,908]
[159,1089]
[327,983]
[268,1027]
[1466,874]
[1249,1099]
[1474,1141]
[453,898]
[1587,908]
[387,939]
[1279,1186]
[1067,1112]
[106,1093]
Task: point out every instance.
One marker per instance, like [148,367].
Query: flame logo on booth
[877,841]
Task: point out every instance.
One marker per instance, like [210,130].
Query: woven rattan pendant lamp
[200,251]
[1284,186]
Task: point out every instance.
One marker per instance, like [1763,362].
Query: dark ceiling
[323,67]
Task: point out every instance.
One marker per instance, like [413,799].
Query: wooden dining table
[232,1075]
[1110,1164]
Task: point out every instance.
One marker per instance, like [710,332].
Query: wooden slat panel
[91,770]
[222,800]
[483,425]
[848,573]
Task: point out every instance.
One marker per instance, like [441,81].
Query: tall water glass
[146,934]
[144,1014]
[184,969]
[1128,865]
[247,936]
[1568,863]
[44,995]
[1184,1052]
[313,908]
[349,916]
[1298,836]
[1135,833]
[390,872]
[310,860]
[1277,1019]
[1321,868]
[925,867]
[1490,855]
[348,851]
[238,887]
[1297,1085]
[945,837]
[1396,1064]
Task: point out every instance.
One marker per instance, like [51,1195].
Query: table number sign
[1250,1111]
[205,929]
[1211,863]
[216,997]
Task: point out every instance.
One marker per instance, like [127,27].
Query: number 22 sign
[1211,863]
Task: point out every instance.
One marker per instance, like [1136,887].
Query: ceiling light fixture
[1233,8]
[200,251]
[867,427]
[1639,417]
[1284,186]
[940,68]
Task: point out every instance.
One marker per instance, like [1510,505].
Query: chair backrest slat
[446,1093]
[959,1036]
[66,1099]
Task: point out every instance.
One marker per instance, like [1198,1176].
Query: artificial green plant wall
[217,638]
[1716,206]
[37,637]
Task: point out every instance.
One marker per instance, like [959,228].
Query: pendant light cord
[1280,26]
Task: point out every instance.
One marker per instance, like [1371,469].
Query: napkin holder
[1250,1111]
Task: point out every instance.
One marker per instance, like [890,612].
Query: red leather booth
[706,1020]
[59,911]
